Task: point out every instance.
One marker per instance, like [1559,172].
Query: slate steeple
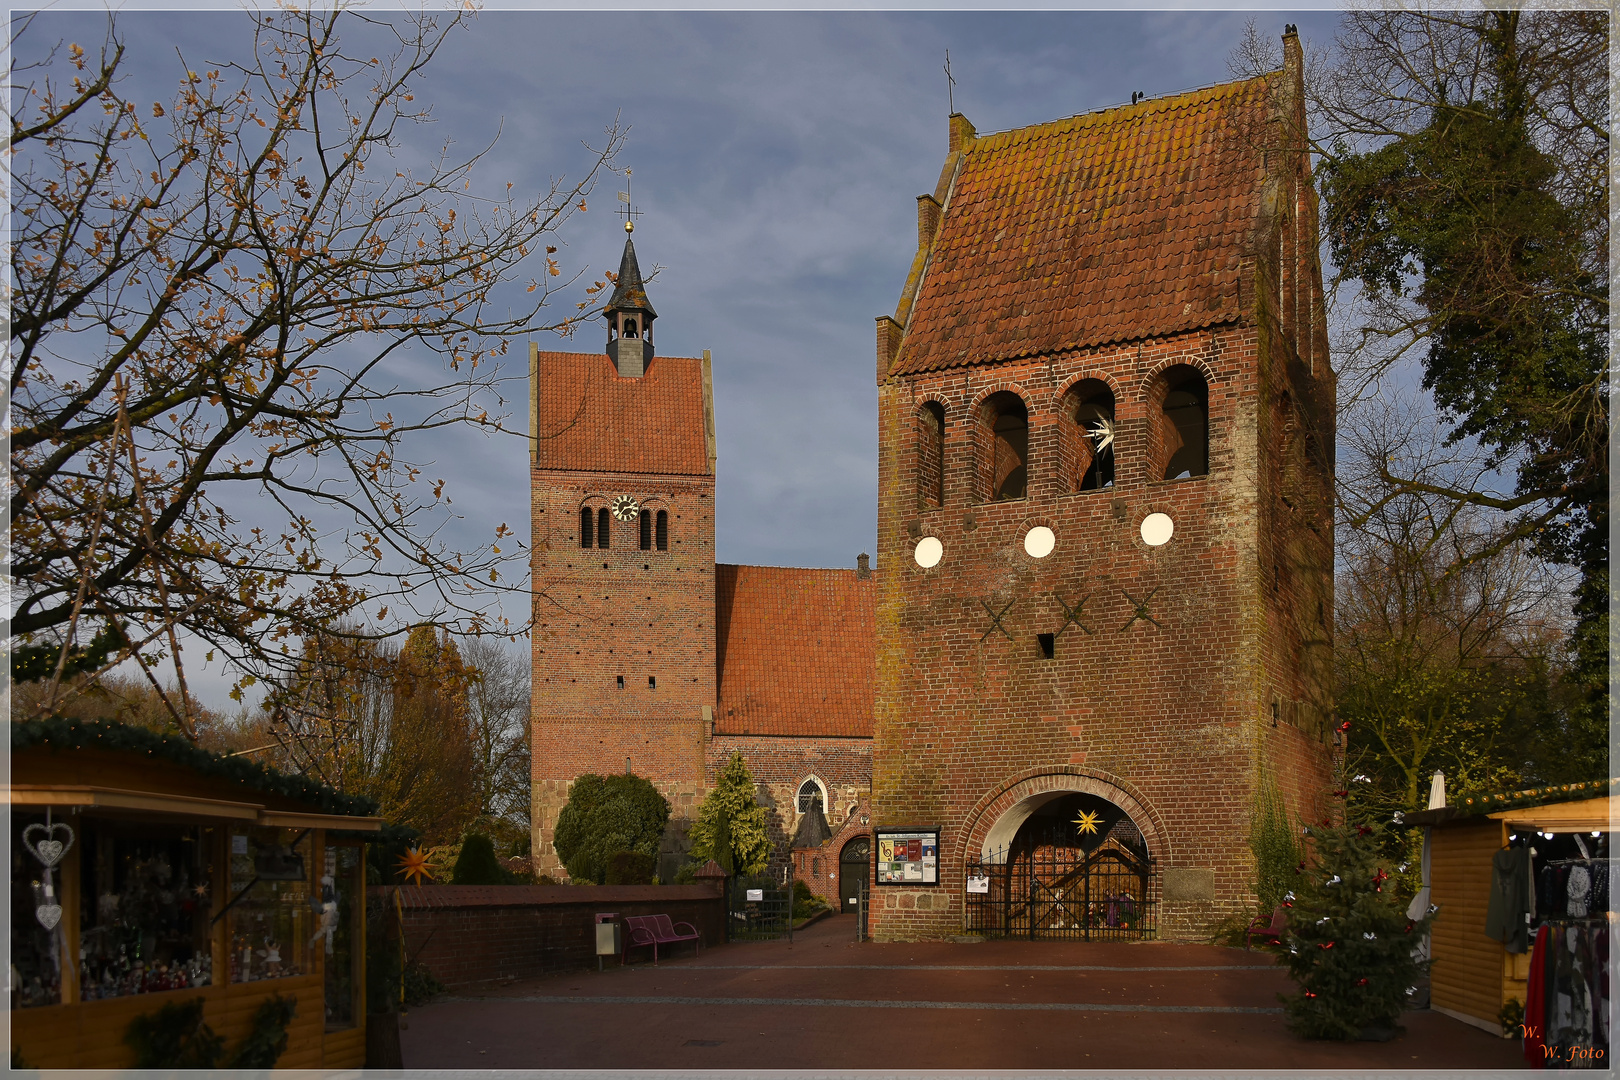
[630,317]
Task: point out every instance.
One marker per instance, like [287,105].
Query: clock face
[624,507]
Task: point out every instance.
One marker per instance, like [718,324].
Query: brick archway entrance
[1063,855]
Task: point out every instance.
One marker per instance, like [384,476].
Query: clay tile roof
[592,419]
[796,651]
[1120,224]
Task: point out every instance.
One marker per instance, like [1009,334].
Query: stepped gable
[1123,224]
[590,418]
[796,651]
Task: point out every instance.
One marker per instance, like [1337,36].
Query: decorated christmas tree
[1349,943]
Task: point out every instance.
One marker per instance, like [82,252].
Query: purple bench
[656,930]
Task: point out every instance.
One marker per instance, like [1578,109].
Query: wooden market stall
[1474,975]
[147,871]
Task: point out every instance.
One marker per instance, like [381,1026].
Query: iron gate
[1063,893]
[757,912]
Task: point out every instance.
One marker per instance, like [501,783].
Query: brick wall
[780,764]
[470,935]
[621,613]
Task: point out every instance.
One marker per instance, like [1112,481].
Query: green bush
[731,826]
[805,902]
[267,1040]
[630,868]
[607,815]
[477,865]
[421,985]
[174,1037]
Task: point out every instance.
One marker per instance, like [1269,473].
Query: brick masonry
[471,936]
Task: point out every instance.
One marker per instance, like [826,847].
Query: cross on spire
[628,210]
[950,83]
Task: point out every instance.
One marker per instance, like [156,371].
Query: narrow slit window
[587,532]
[1048,645]
[652,682]
[931,454]
[602,528]
[663,530]
[621,682]
[646,530]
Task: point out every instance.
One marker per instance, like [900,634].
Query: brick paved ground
[825,1002]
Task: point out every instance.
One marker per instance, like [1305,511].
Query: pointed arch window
[811,794]
[646,530]
[587,530]
[602,528]
[662,530]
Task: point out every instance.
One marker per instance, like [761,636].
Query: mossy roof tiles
[1116,225]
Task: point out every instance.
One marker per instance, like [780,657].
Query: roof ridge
[762,566]
[1092,114]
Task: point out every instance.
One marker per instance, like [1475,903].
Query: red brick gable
[590,419]
[795,651]
[1117,225]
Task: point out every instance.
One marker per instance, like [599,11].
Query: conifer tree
[731,825]
[1349,943]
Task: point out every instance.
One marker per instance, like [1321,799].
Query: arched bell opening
[1064,865]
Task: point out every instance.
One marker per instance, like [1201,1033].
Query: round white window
[929,551]
[1157,529]
[1039,542]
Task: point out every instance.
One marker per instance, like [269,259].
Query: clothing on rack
[1580,889]
[1535,1001]
[1509,901]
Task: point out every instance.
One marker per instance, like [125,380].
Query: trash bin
[609,936]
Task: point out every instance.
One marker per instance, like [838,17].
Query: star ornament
[413,866]
[1087,821]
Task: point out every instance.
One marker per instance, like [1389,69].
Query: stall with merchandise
[147,872]
[1524,925]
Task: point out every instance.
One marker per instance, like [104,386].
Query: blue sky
[777,157]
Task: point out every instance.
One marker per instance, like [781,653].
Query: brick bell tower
[1104,519]
[622,478]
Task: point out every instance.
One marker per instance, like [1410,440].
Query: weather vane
[950,83]
[627,211]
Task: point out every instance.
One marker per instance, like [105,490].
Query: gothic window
[1006,422]
[646,530]
[602,528]
[810,794]
[931,454]
[586,532]
[663,530]
[1184,425]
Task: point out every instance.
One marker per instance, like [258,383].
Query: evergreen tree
[1349,943]
[731,825]
[606,816]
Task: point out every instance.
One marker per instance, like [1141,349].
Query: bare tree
[206,435]
[499,717]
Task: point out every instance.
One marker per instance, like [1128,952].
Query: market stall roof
[1514,806]
[1561,817]
[122,769]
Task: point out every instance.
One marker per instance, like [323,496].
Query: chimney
[863,566]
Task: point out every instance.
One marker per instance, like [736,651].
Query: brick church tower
[622,479]
[1105,519]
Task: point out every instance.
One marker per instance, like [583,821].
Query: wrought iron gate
[1108,894]
[757,912]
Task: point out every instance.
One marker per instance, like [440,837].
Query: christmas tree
[1349,943]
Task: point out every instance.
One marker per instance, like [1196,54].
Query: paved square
[826,1002]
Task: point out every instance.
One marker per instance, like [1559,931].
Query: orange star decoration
[1087,821]
[413,866]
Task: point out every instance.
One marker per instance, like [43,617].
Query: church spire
[630,316]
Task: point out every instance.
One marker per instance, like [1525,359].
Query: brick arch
[1145,387]
[1061,780]
[1095,374]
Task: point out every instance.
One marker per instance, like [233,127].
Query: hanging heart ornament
[49,850]
[48,915]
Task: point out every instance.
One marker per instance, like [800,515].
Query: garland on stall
[176,1037]
[56,733]
[1512,800]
